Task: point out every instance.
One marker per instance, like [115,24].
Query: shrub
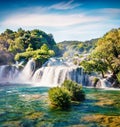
[76,92]
[59,97]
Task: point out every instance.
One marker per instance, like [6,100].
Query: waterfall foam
[52,73]
[55,71]
[11,73]
[26,74]
[8,73]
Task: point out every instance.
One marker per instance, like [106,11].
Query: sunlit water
[27,106]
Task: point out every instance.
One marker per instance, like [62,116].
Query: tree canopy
[25,44]
[70,48]
[106,56]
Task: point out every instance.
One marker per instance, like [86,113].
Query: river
[22,105]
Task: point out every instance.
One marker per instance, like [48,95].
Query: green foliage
[59,97]
[40,55]
[118,77]
[94,65]
[69,48]
[106,55]
[44,47]
[51,53]
[88,65]
[76,92]
[24,44]
[29,48]
[108,50]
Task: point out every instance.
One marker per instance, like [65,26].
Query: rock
[6,57]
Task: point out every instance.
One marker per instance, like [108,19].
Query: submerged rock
[103,120]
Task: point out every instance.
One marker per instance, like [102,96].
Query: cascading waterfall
[52,73]
[26,74]
[11,73]
[105,83]
[55,71]
[8,73]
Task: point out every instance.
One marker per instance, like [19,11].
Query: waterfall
[52,73]
[26,74]
[11,73]
[8,73]
[105,83]
[55,71]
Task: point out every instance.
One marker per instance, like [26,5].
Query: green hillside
[70,48]
[23,43]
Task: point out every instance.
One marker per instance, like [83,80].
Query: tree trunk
[113,70]
[103,76]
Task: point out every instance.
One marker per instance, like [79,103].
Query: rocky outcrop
[6,58]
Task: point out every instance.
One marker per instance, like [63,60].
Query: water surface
[27,106]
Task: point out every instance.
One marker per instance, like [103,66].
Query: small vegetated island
[63,96]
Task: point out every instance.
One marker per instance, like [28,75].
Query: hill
[70,48]
[14,42]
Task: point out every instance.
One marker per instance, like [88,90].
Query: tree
[106,55]
[40,55]
[108,49]
[24,44]
[44,47]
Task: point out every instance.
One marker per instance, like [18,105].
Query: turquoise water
[27,106]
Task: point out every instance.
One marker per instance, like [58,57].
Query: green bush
[59,97]
[76,92]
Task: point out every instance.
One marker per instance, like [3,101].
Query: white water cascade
[52,73]
[55,71]
[54,76]
[26,74]
[11,73]
[8,73]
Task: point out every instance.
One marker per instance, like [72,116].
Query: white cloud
[81,26]
[65,5]
[111,10]
[61,6]
[111,13]
[83,32]
[52,20]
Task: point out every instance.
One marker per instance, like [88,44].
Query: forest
[22,45]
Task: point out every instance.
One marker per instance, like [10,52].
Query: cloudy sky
[65,19]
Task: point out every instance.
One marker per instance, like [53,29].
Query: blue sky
[65,19]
